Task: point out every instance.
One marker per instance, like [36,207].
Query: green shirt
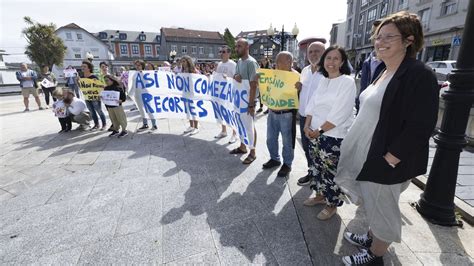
[247,68]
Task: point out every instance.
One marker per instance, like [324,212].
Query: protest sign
[47,83]
[91,88]
[59,109]
[277,89]
[70,72]
[164,69]
[197,97]
[110,98]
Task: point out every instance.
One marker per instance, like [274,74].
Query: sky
[313,18]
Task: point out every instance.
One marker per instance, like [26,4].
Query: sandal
[325,214]
[249,159]
[237,151]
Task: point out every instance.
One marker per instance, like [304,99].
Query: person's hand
[391,159]
[238,78]
[251,110]
[298,85]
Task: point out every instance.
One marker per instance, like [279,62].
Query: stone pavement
[165,198]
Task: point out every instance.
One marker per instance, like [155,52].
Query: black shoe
[62,130]
[123,134]
[284,171]
[270,164]
[266,112]
[114,133]
[365,257]
[144,127]
[67,130]
[259,110]
[111,128]
[359,240]
[153,128]
[305,180]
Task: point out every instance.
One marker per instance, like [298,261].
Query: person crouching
[116,113]
[77,110]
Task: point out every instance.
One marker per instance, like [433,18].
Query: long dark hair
[114,81]
[344,69]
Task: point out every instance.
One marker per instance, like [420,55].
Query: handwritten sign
[215,99]
[68,73]
[277,89]
[91,88]
[47,83]
[110,98]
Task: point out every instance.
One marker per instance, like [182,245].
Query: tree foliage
[230,41]
[44,46]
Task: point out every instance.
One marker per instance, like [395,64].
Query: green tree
[44,46]
[230,41]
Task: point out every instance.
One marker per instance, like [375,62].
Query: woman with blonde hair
[388,143]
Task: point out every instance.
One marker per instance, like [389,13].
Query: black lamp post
[437,201]
[283,36]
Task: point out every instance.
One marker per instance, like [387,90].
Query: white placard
[111,98]
[68,73]
[47,84]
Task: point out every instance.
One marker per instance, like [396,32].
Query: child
[60,111]
[116,112]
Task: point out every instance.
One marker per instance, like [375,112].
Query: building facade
[338,33]
[443,24]
[128,46]
[80,43]
[202,46]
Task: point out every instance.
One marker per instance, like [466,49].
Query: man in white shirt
[27,79]
[77,110]
[226,67]
[310,78]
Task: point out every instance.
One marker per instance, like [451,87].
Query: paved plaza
[165,198]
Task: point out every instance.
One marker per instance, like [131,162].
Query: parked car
[443,67]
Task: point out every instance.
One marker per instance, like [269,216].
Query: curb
[464,209]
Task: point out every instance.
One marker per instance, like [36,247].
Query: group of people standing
[366,156]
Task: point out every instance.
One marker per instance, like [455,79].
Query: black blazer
[408,116]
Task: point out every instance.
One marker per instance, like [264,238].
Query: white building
[79,43]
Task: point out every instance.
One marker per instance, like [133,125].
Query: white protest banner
[47,84]
[164,69]
[110,98]
[197,97]
[72,72]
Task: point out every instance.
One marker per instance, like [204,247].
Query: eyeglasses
[222,52]
[386,38]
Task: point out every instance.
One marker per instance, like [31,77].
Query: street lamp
[436,203]
[282,36]
[172,55]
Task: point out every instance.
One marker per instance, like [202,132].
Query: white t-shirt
[227,68]
[59,109]
[333,101]
[77,106]
[310,83]
[27,83]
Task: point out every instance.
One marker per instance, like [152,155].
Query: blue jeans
[304,140]
[276,124]
[95,107]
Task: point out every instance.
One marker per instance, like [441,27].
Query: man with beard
[246,69]
[77,110]
[310,78]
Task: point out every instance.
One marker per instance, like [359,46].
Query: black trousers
[47,92]
[66,123]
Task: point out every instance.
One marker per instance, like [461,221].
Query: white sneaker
[195,131]
[233,139]
[189,130]
[221,135]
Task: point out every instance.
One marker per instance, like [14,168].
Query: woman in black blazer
[388,143]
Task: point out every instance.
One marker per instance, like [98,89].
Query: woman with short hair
[388,143]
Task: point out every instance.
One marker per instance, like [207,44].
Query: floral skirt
[324,152]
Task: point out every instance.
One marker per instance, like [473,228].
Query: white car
[442,67]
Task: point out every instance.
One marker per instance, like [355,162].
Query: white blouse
[333,101]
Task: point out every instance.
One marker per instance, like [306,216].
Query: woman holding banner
[329,115]
[187,66]
[94,106]
[140,66]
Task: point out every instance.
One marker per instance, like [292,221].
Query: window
[403,4]
[348,40]
[255,51]
[95,52]
[363,2]
[442,65]
[135,49]
[349,25]
[174,48]
[157,47]
[448,8]
[184,49]
[142,37]
[201,50]
[79,36]
[372,14]
[122,36]
[424,17]
[383,9]
[148,50]
[193,49]
[361,19]
[123,49]
[158,38]
[68,36]
[77,53]
[350,8]
[263,40]
[103,35]
[211,51]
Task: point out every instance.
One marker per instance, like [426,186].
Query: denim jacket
[32,73]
